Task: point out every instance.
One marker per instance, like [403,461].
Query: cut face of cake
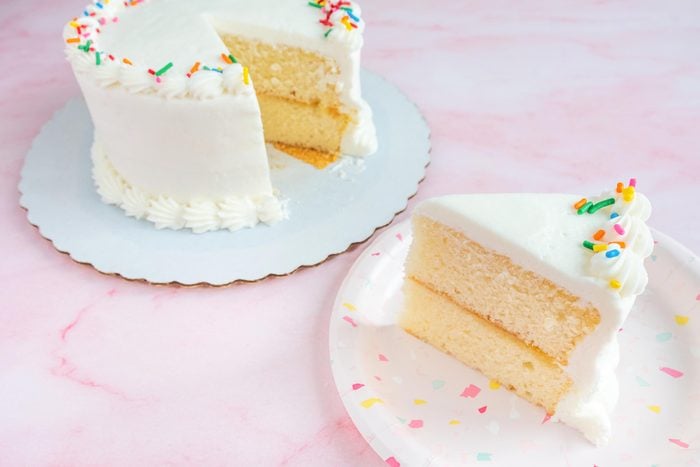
[531,290]
[184,95]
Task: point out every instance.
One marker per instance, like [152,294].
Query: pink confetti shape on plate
[471,391]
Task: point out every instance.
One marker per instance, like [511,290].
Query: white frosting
[206,84]
[627,267]
[544,234]
[202,216]
[238,213]
[82,62]
[173,86]
[154,33]
[135,79]
[164,212]
[233,80]
[135,202]
[232,213]
[107,73]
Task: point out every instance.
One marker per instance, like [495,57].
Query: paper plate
[329,209]
[418,407]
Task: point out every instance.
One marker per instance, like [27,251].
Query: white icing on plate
[327,213]
[419,407]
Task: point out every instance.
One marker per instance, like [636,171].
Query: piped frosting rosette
[623,240]
[630,231]
[622,269]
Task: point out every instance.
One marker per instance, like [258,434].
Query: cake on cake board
[331,209]
[184,95]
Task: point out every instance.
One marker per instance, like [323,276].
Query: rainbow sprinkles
[81,37]
[336,13]
[622,241]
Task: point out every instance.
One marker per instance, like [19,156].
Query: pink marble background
[521,96]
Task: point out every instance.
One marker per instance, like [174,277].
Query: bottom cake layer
[202,215]
[302,125]
[480,344]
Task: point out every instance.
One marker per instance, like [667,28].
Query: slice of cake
[180,129]
[531,290]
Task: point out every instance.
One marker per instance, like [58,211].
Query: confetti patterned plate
[329,209]
[418,407]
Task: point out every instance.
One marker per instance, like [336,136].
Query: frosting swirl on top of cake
[623,240]
[631,230]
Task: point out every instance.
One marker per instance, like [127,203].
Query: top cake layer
[544,233]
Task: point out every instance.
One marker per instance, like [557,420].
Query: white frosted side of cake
[543,233]
[206,157]
[185,149]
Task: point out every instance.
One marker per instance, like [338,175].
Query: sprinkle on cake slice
[531,289]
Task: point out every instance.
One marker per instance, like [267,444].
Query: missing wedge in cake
[531,289]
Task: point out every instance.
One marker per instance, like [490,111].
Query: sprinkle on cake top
[82,36]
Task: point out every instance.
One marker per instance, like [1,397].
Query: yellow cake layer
[289,72]
[480,344]
[519,301]
[304,125]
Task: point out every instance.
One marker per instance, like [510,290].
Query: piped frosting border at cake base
[232,213]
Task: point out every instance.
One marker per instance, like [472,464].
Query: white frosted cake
[180,126]
[531,289]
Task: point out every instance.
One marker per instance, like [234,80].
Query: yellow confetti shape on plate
[367,403]
[654,408]
[455,422]
[419,401]
[682,320]
[495,385]
[350,306]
